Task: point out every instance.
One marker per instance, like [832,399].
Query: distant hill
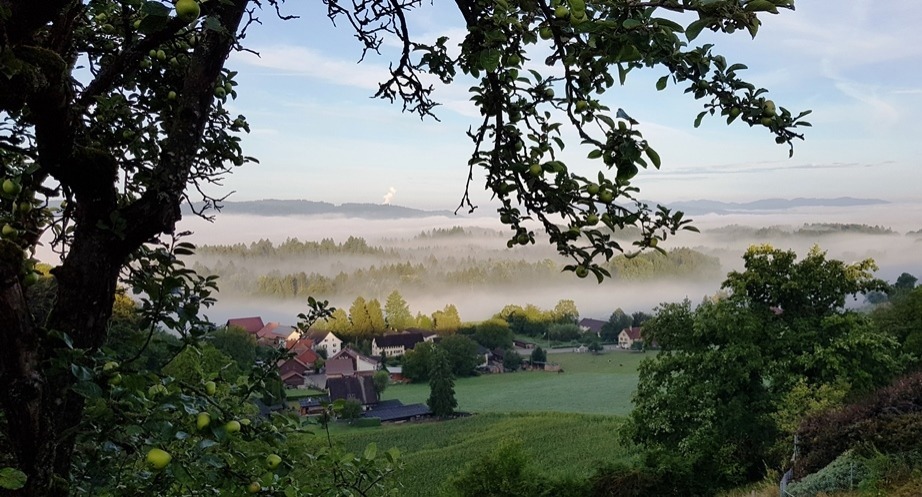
[273,207]
[770,204]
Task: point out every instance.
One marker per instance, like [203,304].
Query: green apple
[161,55]
[513,60]
[592,188]
[581,105]
[606,196]
[536,170]
[254,487]
[211,387]
[202,420]
[109,366]
[10,187]
[545,33]
[115,379]
[592,219]
[220,92]
[232,426]
[156,390]
[769,109]
[582,271]
[158,458]
[187,10]
[561,12]
[273,461]
[31,279]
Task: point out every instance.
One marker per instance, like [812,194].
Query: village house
[358,388]
[326,340]
[594,326]
[274,334]
[293,370]
[397,344]
[350,363]
[251,324]
[628,336]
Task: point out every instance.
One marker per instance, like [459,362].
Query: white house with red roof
[628,336]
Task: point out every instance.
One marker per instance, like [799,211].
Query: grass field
[560,444]
[591,384]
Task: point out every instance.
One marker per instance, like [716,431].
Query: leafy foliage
[715,394]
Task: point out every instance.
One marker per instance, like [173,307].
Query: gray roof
[360,388]
[394,410]
[407,340]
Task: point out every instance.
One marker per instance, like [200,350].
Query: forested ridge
[296,269]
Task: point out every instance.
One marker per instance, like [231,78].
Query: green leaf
[155,9]
[699,118]
[631,24]
[392,455]
[622,73]
[489,60]
[661,83]
[12,479]
[595,154]
[370,451]
[694,29]
[654,157]
[753,27]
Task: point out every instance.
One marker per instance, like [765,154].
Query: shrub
[843,473]
[890,419]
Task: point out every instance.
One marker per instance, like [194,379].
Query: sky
[857,65]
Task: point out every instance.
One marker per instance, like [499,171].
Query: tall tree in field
[446,320]
[119,109]
[566,312]
[375,316]
[441,385]
[397,312]
[362,325]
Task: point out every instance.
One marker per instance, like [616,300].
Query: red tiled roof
[343,366]
[307,357]
[251,324]
[633,333]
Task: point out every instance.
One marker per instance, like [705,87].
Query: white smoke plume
[389,195]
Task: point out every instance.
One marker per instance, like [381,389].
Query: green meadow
[590,384]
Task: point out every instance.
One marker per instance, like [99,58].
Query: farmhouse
[294,370]
[251,324]
[273,334]
[397,344]
[628,336]
[326,340]
[594,326]
[349,362]
[359,388]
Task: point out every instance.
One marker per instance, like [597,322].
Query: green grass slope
[560,444]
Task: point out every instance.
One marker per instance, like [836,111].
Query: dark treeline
[809,230]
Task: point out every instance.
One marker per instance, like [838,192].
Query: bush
[888,420]
[844,473]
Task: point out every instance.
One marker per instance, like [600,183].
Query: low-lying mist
[848,234]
